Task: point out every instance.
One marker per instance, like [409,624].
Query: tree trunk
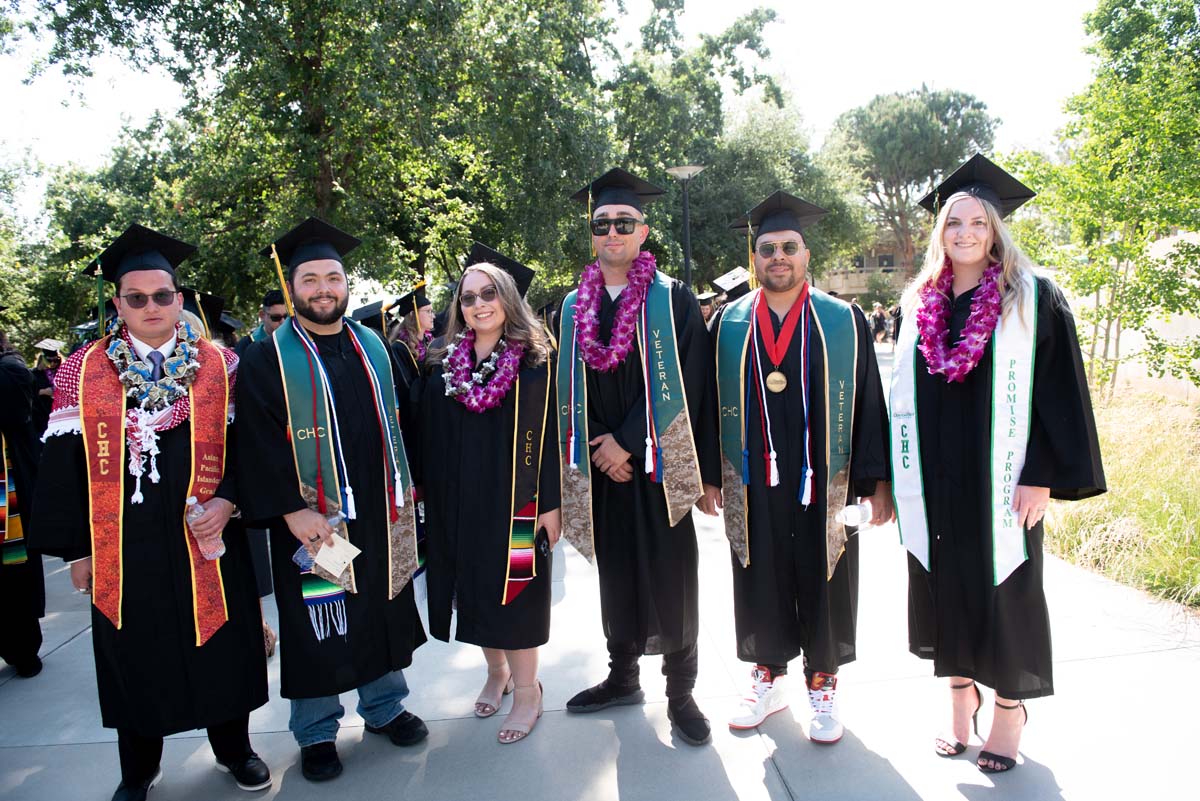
[1091,368]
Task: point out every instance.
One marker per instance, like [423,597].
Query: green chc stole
[833,319]
[12,530]
[1013,346]
[320,468]
[531,396]
[259,333]
[671,448]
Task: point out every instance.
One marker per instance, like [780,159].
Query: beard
[780,283]
[304,309]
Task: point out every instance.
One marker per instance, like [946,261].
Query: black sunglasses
[487,295]
[625,225]
[767,249]
[138,300]
[277,318]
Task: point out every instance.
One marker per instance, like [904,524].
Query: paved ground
[1120,727]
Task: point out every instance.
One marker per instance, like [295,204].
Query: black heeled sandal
[1004,763]
[954,747]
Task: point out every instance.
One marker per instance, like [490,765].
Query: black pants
[678,666]
[140,755]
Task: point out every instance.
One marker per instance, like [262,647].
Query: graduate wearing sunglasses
[803,432]
[633,370]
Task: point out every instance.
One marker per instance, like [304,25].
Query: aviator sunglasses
[138,300]
[625,225]
[767,249]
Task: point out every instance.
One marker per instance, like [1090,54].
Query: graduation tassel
[808,487]
[99,300]
[398,488]
[649,455]
[750,255]
[287,296]
[773,471]
[351,513]
[745,466]
[591,244]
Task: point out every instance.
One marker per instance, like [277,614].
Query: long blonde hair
[520,324]
[1014,263]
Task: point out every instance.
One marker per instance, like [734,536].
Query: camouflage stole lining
[839,339]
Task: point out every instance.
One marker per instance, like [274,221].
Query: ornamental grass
[1143,531]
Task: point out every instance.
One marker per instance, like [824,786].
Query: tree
[893,150]
[1128,175]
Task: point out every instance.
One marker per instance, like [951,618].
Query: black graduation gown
[152,678]
[468,521]
[22,587]
[784,603]
[41,404]
[381,634]
[999,636]
[648,582]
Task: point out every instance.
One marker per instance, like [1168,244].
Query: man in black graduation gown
[22,589]
[270,316]
[794,589]
[648,567]
[364,639]
[177,637]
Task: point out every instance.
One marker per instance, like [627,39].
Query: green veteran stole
[834,321]
[320,464]
[670,447]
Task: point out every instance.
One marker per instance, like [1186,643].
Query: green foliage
[894,149]
[1129,174]
[879,290]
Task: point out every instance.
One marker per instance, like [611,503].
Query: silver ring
[315,539]
[83,590]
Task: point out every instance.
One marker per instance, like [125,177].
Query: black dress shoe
[137,792]
[250,774]
[28,668]
[604,695]
[405,729]
[320,763]
[688,721]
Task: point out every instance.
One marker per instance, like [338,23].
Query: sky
[1023,58]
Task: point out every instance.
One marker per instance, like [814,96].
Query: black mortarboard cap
[734,283]
[312,240]
[110,313]
[618,187]
[372,315]
[780,212]
[205,306]
[522,275]
[412,300]
[228,322]
[139,248]
[706,298]
[980,177]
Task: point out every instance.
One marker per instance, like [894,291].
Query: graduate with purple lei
[990,419]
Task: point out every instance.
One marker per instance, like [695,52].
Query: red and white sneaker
[825,727]
[766,697]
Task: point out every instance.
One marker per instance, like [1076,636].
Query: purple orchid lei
[601,357]
[933,318]
[422,344]
[472,389]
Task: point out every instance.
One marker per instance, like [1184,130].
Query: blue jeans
[315,720]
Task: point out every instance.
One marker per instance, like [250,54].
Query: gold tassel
[417,311]
[591,244]
[287,296]
[750,254]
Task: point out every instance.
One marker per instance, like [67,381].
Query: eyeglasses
[138,300]
[487,295]
[767,249]
[625,225]
[277,318]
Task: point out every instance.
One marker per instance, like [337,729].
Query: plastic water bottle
[303,559]
[857,515]
[212,548]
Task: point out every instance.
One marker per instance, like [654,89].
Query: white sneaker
[766,697]
[822,696]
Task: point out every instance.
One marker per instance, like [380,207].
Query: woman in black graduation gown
[975,623]
[416,332]
[478,562]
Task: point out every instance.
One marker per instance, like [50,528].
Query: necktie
[156,359]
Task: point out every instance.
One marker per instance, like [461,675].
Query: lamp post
[685,174]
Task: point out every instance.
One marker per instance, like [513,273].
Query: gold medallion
[776,381]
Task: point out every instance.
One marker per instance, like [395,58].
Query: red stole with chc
[102,418]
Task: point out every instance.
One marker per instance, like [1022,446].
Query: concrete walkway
[1120,727]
